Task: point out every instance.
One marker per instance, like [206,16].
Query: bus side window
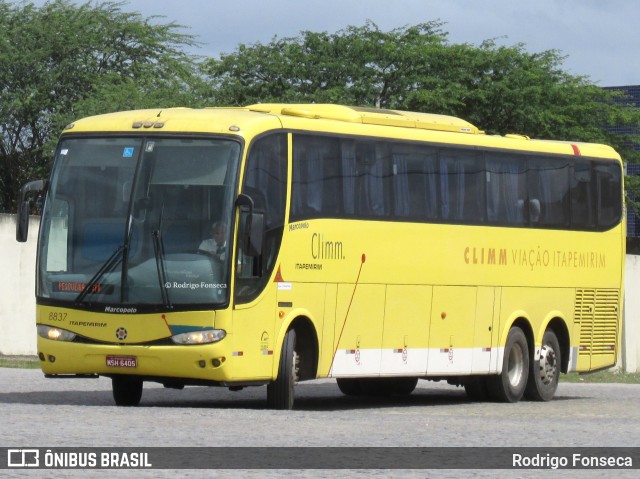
[608,186]
[506,189]
[548,192]
[414,182]
[581,189]
[461,189]
[323,177]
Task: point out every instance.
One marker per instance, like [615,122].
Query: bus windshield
[138,221]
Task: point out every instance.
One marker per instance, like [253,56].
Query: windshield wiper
[158,250]
[108,266]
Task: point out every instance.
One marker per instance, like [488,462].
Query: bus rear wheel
[545,372]
[280,393]
[510,384]
[127,391]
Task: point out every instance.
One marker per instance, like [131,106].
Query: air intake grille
[596,310]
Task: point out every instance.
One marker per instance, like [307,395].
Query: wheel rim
[295,367]
[516,365]
[548,365]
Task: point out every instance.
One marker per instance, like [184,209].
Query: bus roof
[371,116]
[235,121]
[255,119]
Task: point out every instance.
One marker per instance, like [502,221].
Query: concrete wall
[17,288]
[17,297]
[631,324]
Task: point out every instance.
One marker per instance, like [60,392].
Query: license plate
[122,361]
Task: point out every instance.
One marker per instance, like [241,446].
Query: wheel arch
[523,323]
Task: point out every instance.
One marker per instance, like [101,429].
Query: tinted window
[354,178]
[506,189]
[415,180]
[462,192]
[549,192]
[319,176]
[608,192]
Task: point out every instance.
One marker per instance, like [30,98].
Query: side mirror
[22,221]
[252,228]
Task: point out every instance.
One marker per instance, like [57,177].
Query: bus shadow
[314,397]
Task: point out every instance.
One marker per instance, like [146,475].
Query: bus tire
[545,372]
[349,386]
[510,384]
[127,391]
[280,393]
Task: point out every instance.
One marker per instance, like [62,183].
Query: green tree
[504,89]
[61,61]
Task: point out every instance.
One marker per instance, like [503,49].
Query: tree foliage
[503,89]
[61,61]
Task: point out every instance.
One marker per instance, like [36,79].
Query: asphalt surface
[40,412]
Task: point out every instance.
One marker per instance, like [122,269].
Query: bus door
[254,316]
[484,340]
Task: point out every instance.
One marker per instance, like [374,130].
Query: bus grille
[596,311]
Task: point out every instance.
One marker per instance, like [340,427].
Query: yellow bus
[275,243]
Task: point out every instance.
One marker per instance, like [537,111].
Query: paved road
[39,412]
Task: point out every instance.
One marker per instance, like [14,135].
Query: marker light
[200,337]
[55,334]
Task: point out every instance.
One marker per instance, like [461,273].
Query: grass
[23,362]
[606,376]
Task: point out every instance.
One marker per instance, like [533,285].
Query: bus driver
[216,246]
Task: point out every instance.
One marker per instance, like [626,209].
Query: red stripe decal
[576,150]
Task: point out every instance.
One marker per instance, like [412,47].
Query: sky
[600,38]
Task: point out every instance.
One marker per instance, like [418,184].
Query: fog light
[217,362]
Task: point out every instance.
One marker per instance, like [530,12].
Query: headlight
[56,334]
[199,337]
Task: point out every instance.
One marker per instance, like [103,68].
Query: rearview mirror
[24,205]
[252,229]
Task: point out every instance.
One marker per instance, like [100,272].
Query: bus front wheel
[545,372]
[126,391]
[280,393]
[510,384]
